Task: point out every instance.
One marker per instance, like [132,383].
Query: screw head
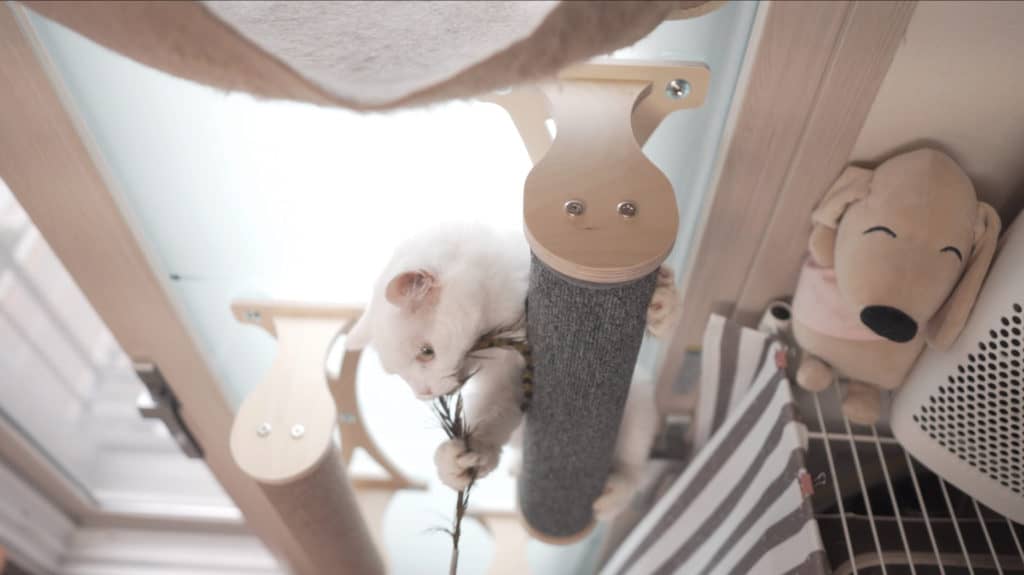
[253,315]
[626,209]
[575,207]
[264,429]
[346,418]
[298,430]
[677,89]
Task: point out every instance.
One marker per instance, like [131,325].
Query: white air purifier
[961,411]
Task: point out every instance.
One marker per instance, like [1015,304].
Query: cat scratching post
[600,219]
[283,436]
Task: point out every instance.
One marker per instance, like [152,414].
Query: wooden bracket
[624,218]
[528,108]
[265,439]
[283,437]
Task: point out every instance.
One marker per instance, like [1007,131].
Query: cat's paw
[618,493]
[665,307]
[455,464]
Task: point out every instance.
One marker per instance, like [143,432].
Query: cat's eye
[426,353]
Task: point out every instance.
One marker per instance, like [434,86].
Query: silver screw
[627,209]
[263,430]
[678,89]
[253,315]
[346,418]
[298,430]
[575,207]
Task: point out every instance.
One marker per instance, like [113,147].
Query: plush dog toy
[897,256]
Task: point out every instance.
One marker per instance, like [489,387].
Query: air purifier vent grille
[978,413]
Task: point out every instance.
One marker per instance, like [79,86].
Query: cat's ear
[411,290]
[359,336]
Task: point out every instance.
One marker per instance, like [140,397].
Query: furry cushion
[365,55]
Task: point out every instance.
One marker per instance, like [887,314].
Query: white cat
[442,290]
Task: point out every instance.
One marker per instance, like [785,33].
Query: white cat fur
[448,286]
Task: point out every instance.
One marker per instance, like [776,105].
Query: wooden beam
[787,63]
[874,32]
[814,76]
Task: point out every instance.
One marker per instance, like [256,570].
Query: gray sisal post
[585,339]
[600,219]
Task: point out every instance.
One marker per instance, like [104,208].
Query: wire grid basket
[881,511]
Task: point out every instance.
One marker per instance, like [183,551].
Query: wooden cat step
[283,435]
[298,391]
[594,207]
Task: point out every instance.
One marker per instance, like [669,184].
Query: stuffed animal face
[910,245]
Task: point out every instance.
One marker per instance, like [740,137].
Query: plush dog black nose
[889,322]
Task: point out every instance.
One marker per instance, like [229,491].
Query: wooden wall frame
[811,73]
[49,164]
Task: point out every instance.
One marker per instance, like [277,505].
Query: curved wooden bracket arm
[354,434]
[529,108]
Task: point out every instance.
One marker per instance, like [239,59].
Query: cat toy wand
[455,426]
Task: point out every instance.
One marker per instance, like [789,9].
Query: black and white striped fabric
[742,505]
[731,357]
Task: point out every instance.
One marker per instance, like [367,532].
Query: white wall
[957,82]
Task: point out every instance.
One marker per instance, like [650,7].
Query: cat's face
[422,332]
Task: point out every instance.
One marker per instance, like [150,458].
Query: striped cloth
[743,504]
[731,356]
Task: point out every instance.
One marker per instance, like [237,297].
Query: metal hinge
[157,401]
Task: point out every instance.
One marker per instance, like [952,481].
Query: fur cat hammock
[599,217]
[364,55]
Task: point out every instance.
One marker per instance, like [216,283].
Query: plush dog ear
[852,186]
[944,327]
